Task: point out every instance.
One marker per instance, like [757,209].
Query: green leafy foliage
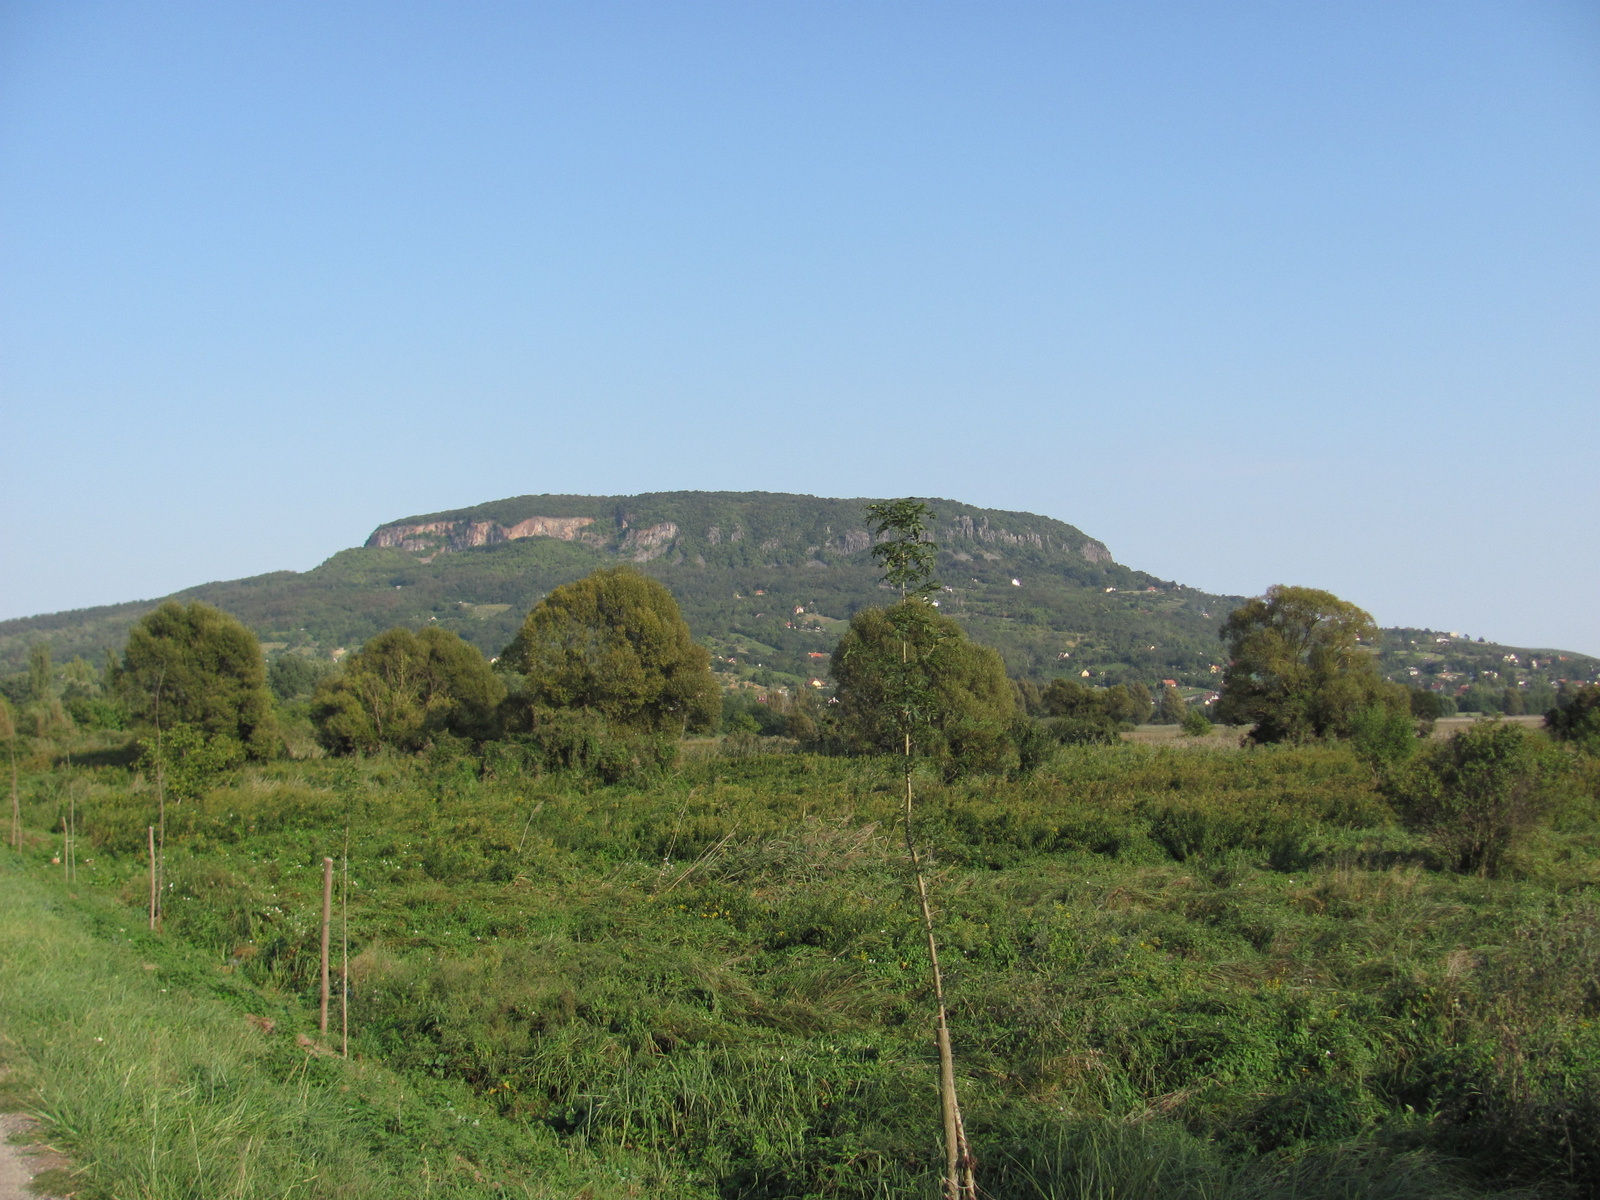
[190,761]
[909,671]
[1172,709]
[403,689]
[1479,794]
[1202,973]
[1575,718]
[615,644]
[1299,668]
[1082,715]
[1195,722]
[901,546]
[294,676]
[195,665]
[41,683]
[585,743]
[1384,735]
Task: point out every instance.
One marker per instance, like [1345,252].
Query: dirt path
[21,1164]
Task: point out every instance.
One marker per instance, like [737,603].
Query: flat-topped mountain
[724,529]
[766,580]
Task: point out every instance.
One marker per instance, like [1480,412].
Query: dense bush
[1479,794]
[1576,718]
[291,676]
[910,671]
[195,665]
[402,689]
[615,644]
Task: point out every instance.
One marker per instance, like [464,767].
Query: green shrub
[558,739]
[1576,718]
[1479,794]
[190,762]
[1384,735]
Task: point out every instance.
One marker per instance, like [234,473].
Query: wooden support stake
[344,953]
[66,848]
[327,921]
[152,877]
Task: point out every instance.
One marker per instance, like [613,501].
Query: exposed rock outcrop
[642,545]
[434,537]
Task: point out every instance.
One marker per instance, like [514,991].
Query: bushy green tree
[291,676]
[745,714]
[1130,702]
[910,668]
[1384,735]
[1083,715]
[1478,794]
[43,714]
[615,644]
[196,665]
[41,677]
[1426,706]
[1300,666]
[1173,707]
[1195,722]
[402,689]
[1576,718]
[191,763]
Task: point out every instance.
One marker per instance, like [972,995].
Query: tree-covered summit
[738,529]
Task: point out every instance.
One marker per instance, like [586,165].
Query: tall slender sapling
[907,556]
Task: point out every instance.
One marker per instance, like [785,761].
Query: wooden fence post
[327,921]
[344,952]
[152,877]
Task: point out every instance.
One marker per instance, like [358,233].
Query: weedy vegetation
[587,958]
[1170,972]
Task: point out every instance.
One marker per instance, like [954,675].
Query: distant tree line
[604,676]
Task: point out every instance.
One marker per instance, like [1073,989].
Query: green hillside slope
[1046,594]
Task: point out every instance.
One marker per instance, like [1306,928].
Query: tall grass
[159,1089]
[1173,973]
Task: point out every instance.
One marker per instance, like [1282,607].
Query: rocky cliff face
[965,529]
[429,538]
[653,541]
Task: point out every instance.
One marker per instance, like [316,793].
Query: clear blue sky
[1255,292]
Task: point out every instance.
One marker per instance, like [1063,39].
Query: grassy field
[1175,971]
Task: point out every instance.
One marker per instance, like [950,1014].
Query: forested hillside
[766,580]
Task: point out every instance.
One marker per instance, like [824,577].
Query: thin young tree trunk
[327,921]
[152,878]
[159,861]
[959,1183]
[16,804]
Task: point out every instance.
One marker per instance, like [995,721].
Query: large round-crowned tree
[196,665]
[615,644]
[910,669]
[403,688]
[1302,666]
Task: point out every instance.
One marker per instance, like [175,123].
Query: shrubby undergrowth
[1208,973]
